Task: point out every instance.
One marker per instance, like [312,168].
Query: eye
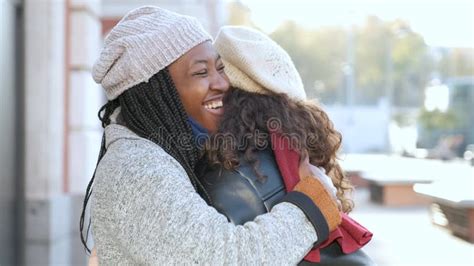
[200,73]
[221,68]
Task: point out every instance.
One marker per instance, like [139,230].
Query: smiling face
[201,83]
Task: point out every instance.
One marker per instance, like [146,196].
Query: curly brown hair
[248,120]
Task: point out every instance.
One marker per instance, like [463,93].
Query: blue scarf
[199,132]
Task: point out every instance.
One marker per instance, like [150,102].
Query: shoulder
[138,154]
[132,174]
[131,162]
[127,150]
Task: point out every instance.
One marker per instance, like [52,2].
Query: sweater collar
[200,134]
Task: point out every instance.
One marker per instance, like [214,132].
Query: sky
[442,23]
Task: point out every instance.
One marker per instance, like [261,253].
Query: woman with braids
[165,84]
[252,159]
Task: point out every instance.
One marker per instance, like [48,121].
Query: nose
[220,82]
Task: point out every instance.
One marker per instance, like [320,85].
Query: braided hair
[152,110]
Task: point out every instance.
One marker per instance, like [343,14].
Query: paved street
[406,236]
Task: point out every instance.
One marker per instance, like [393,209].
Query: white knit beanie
[145,41]
[255,63]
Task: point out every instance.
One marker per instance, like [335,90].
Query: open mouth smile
[214,106]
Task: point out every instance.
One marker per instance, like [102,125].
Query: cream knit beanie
[255,63]
[145,41]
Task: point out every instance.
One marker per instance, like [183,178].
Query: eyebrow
[204,61]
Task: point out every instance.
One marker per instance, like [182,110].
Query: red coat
[350,235]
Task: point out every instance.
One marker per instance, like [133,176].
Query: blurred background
[396,78]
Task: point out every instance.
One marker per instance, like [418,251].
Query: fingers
[304,157]
[320,174]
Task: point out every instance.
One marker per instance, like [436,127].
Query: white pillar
[44,132]
[53,142]
[44,97]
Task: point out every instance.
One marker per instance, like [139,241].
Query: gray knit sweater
[145,211]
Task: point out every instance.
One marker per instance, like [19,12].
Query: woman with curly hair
[267,128]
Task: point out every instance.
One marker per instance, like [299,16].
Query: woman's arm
[155,216]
